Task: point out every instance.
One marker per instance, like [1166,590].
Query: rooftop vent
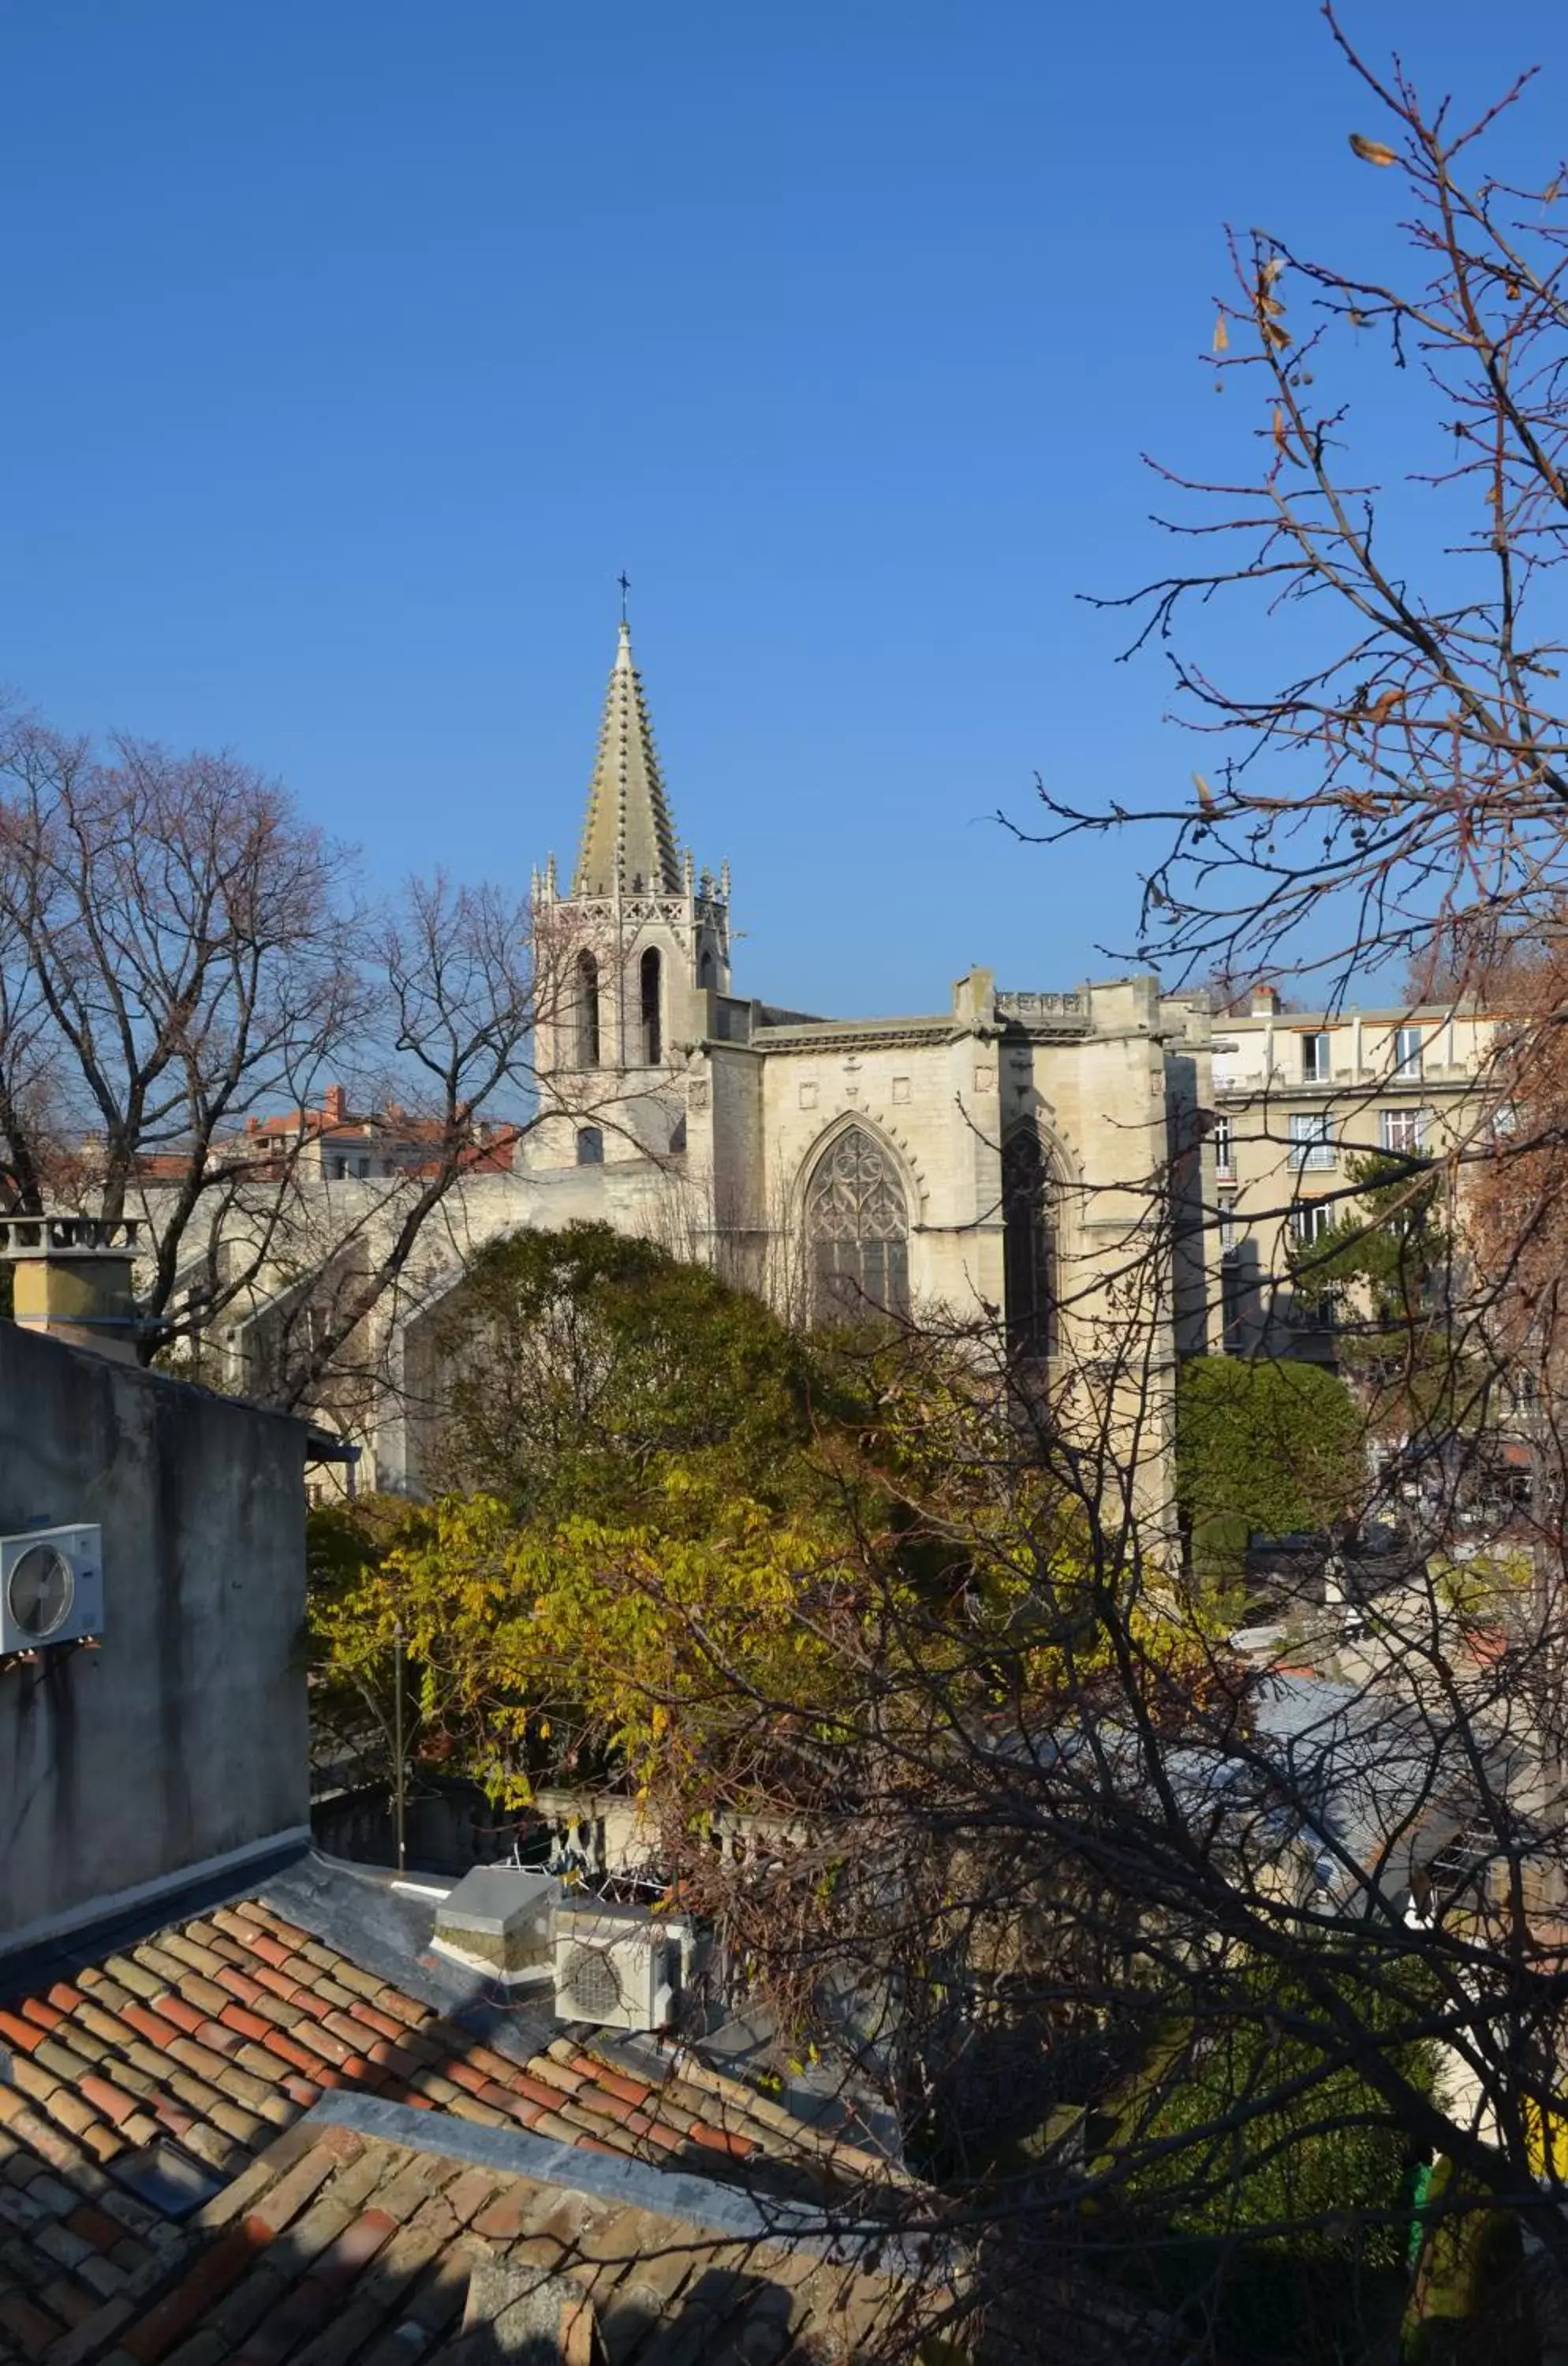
[498,1921]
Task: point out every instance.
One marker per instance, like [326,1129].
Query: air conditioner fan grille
[593,1983]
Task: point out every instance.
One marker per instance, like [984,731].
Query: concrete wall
[182,1738]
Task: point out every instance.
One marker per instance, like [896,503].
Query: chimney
[335,1106]
[71,1278]
[1265,1002]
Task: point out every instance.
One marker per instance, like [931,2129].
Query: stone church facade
[1030,1165]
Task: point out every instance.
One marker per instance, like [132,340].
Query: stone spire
[629,840]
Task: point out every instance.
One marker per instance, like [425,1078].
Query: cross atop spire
[628,839]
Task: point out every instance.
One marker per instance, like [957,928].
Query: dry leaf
[1271,270]
[1222,334]
[1373,152]
[1279,429]
[1205,793]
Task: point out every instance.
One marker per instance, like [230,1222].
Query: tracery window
[1029,1245]
[587,1012]
[857,1231]
[652,1030]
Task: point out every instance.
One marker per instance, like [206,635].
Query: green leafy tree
[655,1497]
[674,1535]
[1386,1262]
[1255,2125]
[1276,1447]
[579,1364]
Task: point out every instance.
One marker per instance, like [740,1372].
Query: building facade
[1298,1098]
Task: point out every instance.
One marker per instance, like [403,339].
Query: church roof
[628,839]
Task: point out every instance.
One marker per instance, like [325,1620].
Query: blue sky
[356,345]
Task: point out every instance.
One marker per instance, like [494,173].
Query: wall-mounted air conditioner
[52,1587]
[616,1966]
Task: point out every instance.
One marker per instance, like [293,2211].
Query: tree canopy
[674,1533]
[580,1364]
[1276,1447]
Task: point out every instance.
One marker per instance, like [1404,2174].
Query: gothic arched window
[857,1231]
[652,1030]
[587,1012]
[590,1145]
[705,968]
[1029,1245]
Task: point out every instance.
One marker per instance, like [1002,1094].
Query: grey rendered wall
[183,1738]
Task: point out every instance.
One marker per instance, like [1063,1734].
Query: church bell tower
[631,957]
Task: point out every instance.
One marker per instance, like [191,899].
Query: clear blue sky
[353,346]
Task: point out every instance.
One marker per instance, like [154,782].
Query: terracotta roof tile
[183,2064]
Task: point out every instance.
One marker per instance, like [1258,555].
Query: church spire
[629,840]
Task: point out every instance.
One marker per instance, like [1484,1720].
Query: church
[1028,1163]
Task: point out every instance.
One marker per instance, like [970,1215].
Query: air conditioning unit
[52,1587]
[616,1966]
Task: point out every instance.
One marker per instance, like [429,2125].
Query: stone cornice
[858,1035]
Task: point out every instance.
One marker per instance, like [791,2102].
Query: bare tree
[1413,775]
[185,964]
[174,962]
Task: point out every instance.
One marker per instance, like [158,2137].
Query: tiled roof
[338,2247]
[136,2092]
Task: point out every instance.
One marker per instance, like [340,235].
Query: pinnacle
[628,839]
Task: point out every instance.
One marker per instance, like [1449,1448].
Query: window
[587,1012]
[1407,1051]
[704,968]
[337,1168]
[362,1168]
[857,1231]
[590,1146]
[1028,1254]
[1312,1310]
[1312,1144]
[1315,1059]
[1227,1228]
[652,1033]
[1224,1146]
[1404,1129]
[1310,1218]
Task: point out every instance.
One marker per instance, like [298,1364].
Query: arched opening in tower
[652,1030]
[587,1012]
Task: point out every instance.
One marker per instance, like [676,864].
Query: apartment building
[1297,1095]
